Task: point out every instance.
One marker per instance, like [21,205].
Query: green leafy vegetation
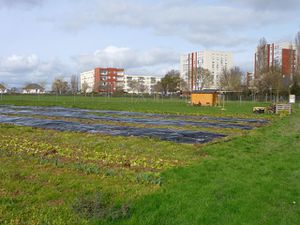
[51,177]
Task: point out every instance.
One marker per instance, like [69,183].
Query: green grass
[252,179]
[173,106]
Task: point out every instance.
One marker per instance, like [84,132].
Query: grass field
[51,177]
[161,105]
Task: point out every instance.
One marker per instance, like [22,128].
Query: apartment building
[268,56]
[145,83]
[214,61]
[99,80]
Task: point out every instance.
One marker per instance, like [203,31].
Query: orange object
[205,98]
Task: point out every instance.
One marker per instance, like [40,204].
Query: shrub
[98,206]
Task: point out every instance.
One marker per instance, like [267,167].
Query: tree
[43,85]
[84,87]
[231,80]
[171,81]
[142,88]
[134,86]
[273,82]
[184,87]
[119,90]
[295,87]
[14,90]
[60,86]
[2,87]
[204,78]
[297,46]
[74,84]
[158,88]
[261,59]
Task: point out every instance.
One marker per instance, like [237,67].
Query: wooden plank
[283,107]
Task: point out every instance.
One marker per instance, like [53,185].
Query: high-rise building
[103,80]
[145,83]
[268,56]
[214,61]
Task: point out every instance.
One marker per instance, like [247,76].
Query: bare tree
[204,78]
[141,88]
[43,85]
[60,86]
[295,86]
[261,59]
[74,84]
[158,88]
[120,89]
[231,80]
[134,86]
[2,87]
[273,82]
[184,85]
[84,87]
[297,46]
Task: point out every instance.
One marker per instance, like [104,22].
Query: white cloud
[277,5]
[127,58]
[225,24]
[16,70]
[20,3]
[16,64]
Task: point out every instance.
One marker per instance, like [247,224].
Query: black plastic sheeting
[181,136]
[152,115]
[87,114]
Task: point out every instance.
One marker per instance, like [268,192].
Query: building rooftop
[206,91]
[33,86]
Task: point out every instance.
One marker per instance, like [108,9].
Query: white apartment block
[147,82]
[88,77]
[214,61]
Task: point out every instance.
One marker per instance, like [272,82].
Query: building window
[103,72]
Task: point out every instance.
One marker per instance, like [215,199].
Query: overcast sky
[44,39]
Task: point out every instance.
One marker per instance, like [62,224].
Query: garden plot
[182,136]
[153,119]
[140,114]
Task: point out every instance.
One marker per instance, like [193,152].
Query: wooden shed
[205,98]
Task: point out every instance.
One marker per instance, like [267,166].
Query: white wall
[89,78]
[214,61]
[147,81]
[33,91]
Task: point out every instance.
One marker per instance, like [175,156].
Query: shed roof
[206,91]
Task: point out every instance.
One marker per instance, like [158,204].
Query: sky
[46,39]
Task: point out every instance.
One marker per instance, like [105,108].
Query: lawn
[52,177]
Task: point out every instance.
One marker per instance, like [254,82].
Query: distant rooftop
[33,86]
